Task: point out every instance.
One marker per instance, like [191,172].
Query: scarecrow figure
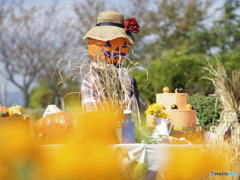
[108,82]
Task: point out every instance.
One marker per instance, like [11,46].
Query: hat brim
[106,33]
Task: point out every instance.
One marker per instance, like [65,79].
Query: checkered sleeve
[89,94]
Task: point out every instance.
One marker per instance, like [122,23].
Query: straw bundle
[229,94]
[225,142]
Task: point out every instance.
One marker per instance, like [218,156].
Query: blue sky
[28,3]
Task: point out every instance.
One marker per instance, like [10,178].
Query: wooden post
[3,94]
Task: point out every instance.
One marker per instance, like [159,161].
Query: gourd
[188,107]
[15,111]
[111,51]
[165,90]
[54,128]
[2,109]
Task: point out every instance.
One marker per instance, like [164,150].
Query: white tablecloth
[154,156]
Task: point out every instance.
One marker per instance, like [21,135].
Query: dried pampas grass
[79,63]
[228,89]
[224,142]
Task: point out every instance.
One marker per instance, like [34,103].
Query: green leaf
[17,112]
[24,116]
[3,112]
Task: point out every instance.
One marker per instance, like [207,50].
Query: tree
[31,40]
[87,13]
[227,29]
[166,24]
[176,69]
[44,94]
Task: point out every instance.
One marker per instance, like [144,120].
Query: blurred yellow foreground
[86,155]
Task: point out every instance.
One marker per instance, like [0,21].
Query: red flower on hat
[131,24]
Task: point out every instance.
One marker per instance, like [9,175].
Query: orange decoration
[2,109]
[162,107]
[10,110]
[54,128]
[188,106]
[111,51]
[165,90]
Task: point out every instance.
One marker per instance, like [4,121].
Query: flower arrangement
[156,110]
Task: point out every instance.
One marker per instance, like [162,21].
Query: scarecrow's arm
[142,105]
[137,94]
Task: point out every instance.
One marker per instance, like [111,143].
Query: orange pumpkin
[165,90]
[162,107]
[54,128]
[188,107]
[2,109]
[110,51]
[11,110]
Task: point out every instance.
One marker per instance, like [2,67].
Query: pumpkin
[111,51]
[165,90]
[15,111]
[162,107]
[2,109]
[54,128]
[188,107]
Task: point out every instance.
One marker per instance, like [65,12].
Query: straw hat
[109,26]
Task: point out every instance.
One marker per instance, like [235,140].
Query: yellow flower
[155,109]
[164,115]
[149,111]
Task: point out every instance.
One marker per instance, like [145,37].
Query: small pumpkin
[15,111]
[2,109]
[111,51]
[188,107]
[165,90]
[54,128]
[162,107]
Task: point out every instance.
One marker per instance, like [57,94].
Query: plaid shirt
[92,96]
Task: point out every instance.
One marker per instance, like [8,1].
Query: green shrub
[208,109]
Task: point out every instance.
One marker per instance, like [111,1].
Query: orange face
[110,51]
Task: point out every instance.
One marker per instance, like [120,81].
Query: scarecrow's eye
[108,44]
[125,45]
